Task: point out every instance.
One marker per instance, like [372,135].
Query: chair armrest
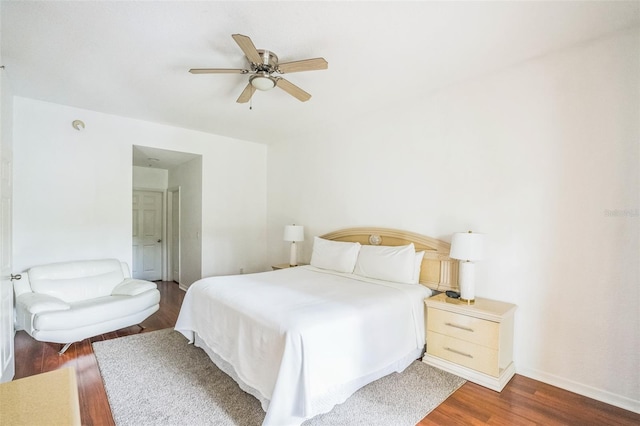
[125,270]
[38,302]
[133,287]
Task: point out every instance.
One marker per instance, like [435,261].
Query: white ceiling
[132,58]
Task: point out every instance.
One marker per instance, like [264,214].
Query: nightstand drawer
[463,327]
[464,353]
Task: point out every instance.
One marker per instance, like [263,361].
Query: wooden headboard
[438,271]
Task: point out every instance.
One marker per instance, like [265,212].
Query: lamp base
[466,282]
[293,261]
[467,301]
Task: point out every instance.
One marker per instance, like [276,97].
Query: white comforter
[303,339]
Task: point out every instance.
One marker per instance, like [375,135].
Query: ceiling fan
[263,65]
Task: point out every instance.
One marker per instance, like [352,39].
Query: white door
[7,363]
[147,235]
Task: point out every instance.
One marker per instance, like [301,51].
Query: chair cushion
[95,311]
[132,287]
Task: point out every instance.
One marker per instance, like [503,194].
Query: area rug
[156,378]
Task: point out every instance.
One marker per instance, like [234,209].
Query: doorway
[165,185]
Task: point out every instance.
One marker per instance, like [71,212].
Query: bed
[304,339]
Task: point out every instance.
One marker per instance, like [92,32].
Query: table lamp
[468,247]
[293,233]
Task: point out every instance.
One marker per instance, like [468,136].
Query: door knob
[159,241]
[15,277]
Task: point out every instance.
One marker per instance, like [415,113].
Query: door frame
[169,276]
[7,302]
[7,331]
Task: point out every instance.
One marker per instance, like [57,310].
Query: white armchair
[71,301]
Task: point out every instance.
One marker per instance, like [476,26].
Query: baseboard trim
[581,389]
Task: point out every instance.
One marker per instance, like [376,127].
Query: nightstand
[471,341]
[285,266]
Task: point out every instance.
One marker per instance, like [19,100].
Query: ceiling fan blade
[293,90]
[303,65]
[246,94]
[248,48]
[217,71]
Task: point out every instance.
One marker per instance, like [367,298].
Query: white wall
[543,157]
[73,189]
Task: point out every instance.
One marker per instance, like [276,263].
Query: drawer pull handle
[458,352]
[461,327]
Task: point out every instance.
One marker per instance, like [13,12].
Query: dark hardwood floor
[522,402]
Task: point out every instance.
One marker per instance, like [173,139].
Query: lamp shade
[467,246]
[294,233]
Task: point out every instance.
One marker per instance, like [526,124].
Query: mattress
[303,339]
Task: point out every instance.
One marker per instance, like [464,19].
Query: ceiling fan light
[263,82]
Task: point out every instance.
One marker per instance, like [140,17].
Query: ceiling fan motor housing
[269,62]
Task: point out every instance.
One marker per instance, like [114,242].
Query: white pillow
[417,266]
[334,255]
[389,263]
